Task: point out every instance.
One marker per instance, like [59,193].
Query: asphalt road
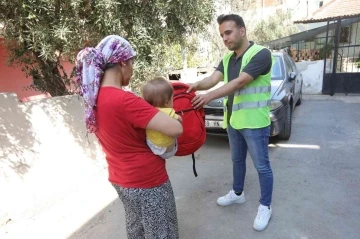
[316,183]
[316,187]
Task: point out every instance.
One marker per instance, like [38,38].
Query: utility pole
[184,56]
[307,9]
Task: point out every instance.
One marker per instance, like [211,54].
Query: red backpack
[193,121]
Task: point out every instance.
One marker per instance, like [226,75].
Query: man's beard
[236,46]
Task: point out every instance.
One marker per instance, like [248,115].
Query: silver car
[286,93]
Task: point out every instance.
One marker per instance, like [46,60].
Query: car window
[289,67]
[277,71]
[292,64]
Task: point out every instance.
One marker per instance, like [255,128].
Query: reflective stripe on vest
[253,90]
[251,105]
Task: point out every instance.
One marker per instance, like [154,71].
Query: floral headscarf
[90,65]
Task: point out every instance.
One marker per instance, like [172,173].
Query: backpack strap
[192,155]
[194,169]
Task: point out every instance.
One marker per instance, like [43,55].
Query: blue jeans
[256,141]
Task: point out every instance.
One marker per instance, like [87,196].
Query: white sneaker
[262,218]
[231,198]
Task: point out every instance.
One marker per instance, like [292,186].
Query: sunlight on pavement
[295,146]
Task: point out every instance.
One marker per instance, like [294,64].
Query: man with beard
[246,72]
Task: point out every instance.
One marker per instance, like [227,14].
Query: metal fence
[342,68]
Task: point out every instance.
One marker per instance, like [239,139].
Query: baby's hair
[157,91]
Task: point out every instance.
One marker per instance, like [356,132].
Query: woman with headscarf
[119,120]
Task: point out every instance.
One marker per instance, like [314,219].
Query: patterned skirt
[150,213]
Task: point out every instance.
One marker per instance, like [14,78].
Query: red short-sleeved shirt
[121,119]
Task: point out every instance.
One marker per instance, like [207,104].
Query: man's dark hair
[231,17]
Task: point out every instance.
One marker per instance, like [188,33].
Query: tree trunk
[184,56]
[47,79]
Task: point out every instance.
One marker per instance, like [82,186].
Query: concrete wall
[46,159]
[312,72]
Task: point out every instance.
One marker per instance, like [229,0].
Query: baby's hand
[179,118]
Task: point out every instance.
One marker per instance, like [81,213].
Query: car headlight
[275,104]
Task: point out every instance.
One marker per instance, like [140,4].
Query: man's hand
[192,87]
[200,100]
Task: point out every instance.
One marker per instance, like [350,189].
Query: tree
[259,28]
[41,34]
[212,35]
[276,26]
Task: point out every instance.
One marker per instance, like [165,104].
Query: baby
[159,93]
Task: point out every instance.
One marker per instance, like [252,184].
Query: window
[289,67]
[277,69]
[292,64]
[344,35]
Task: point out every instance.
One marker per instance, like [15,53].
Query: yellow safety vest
[251,105]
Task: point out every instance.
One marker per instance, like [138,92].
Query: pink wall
[13,80]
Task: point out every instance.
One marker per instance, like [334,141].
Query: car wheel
[300,98]
[286,130]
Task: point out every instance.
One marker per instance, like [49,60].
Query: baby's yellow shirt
[158,138]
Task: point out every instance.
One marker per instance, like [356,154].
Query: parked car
[286,93]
